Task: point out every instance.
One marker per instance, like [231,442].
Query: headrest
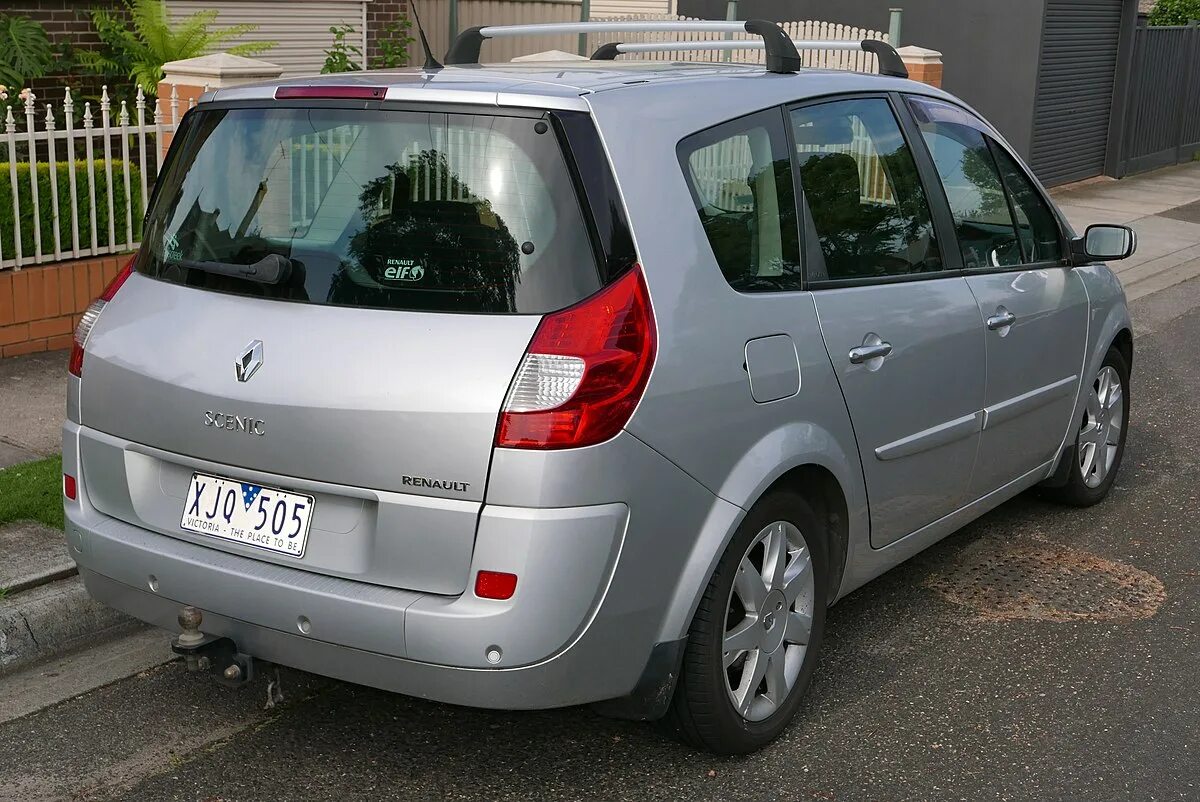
[825,132]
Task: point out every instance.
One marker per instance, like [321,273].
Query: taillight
[75,366]
[584,371]
[70,490]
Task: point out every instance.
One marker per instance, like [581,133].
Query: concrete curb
[31,555]
[49,619]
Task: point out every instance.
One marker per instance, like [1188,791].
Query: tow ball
[209,653]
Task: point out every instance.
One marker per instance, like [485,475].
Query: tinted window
[861,184]
[987,190]
[385,209]
[1036,223]
[741,183]
[982,218]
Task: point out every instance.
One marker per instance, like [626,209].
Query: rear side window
[861,184]
[386,209]
[741,182]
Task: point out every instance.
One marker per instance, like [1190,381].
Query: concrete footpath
[44,608]
[1163,207]
[33,401]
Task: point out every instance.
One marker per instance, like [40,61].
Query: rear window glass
[374,208]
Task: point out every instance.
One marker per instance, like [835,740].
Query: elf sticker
[403,270]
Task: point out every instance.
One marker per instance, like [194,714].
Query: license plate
[263,517]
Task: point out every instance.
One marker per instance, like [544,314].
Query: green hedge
[45,210]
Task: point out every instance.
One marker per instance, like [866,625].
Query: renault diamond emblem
[250,361]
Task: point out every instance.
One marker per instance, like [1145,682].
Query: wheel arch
[821,488]
[1123,342]
[824,481]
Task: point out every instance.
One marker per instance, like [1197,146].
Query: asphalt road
[1042,652]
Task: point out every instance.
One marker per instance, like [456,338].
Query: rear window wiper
[273,268]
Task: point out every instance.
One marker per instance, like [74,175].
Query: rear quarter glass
[380,208]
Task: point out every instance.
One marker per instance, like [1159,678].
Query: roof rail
[782,55]
[890,62]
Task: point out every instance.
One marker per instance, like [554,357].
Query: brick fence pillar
[190,77]
[379,14]
[923,64]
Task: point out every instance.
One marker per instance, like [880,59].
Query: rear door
[902,332]
[1033,307]
[332,301]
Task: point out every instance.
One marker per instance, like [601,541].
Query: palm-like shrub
[25,51]
[139,46]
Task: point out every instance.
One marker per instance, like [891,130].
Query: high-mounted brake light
[75,366]
[353,92]
[584,371]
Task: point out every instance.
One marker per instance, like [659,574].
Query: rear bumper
[423,645]
[569,679]
[586,623]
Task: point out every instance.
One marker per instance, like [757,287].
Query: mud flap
[651,696]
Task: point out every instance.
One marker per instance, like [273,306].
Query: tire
[1096,455]
[703,712]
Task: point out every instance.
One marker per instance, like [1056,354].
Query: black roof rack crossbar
[890,62]
[782,55]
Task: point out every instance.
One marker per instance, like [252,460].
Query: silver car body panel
[917,447]
[613,543]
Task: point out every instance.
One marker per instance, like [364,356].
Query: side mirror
[1104,243]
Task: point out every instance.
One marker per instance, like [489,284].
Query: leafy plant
[343,56]
[393,46]
[340,56]
[25,51]
[45,208]
[140,46]
[1175,12]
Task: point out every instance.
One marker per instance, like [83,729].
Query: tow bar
[217,656]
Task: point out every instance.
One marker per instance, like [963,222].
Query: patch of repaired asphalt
[1007,581]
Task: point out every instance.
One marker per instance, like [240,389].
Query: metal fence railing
[74,182]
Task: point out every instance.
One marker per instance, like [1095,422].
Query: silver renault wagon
[595,381]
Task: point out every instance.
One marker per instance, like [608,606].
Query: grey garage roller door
[1076,73]
[299,28]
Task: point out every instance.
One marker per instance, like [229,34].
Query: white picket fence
[806,30]
[92,217]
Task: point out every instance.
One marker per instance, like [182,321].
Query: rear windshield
[387,209]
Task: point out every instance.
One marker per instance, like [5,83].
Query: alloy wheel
[1100,435]
[768,621]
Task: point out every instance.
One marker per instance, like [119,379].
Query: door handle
[1002,319]
[865,353]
